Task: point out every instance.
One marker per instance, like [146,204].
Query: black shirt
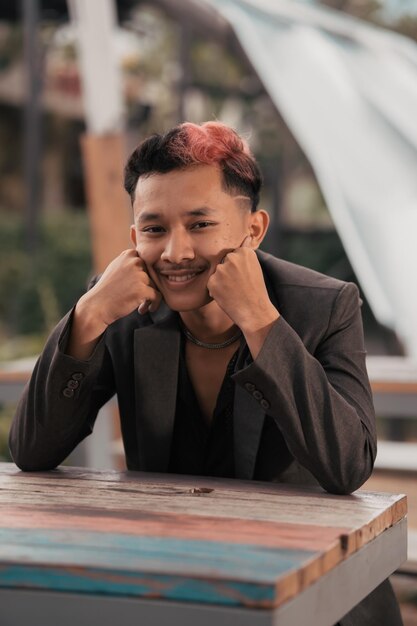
[197,447]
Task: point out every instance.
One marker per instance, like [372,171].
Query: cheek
[214,248]
[212,251]
[226,231]
[231,237]
[226,238]
[149,251]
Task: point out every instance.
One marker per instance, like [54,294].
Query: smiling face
[185,223]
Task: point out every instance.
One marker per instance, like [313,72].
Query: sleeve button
[67,392]
[72,384]
[249,387]
[257,394]
[77,376]
[264,404]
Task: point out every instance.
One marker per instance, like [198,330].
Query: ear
[258,225]
[133,235]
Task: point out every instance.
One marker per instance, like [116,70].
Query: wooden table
[89,547]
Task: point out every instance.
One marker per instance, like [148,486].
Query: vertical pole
[103,145]
[104,157]
[108,203]
[32,121]
[184,81]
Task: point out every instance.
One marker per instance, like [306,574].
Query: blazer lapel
[156,353]
[156,350]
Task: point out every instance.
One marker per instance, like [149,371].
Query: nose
[178,247]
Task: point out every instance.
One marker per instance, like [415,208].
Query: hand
[124,286]
[238,287]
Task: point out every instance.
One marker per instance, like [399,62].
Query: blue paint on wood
[122,583]
[130,553]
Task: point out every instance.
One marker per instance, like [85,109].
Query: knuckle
[128,253]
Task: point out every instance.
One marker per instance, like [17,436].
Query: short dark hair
[211,143]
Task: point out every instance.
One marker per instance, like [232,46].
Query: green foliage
[320,250]
[35,291]
[207,57]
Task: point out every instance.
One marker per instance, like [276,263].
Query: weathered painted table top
[216,541]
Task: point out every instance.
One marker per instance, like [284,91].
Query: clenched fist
[124,286]
[239,288]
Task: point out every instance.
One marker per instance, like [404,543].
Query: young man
[226,361]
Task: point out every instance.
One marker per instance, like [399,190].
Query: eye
[152,229]
[200,225]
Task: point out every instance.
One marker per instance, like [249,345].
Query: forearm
[86,330]
[35,447]
[324,411]
[59,404]
[326,423]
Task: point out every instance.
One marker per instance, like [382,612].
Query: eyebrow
[203,211]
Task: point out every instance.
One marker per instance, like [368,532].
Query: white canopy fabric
[348,92]
[391,9]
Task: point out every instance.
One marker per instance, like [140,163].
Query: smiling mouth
[180,279]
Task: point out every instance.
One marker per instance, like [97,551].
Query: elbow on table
[340,489]
[352,470]
[31,464]
[346,483]
[28,461]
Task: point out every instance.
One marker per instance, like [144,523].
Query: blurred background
[324,92]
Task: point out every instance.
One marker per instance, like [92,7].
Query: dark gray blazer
[302,411]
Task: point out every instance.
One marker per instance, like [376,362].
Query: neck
[209,323]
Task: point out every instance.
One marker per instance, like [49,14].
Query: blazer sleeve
[60,403]
[321,402]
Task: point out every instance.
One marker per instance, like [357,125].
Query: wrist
[259,320]
[259,329]
[87,315]
[86,330]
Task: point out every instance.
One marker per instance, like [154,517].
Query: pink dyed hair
[211,143]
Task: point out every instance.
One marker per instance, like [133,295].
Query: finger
[210,283]
[247,242]
[129,252]
[151,302]
[140,263]
[154,305]
[144,307]
[145,279]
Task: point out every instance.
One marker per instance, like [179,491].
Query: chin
[184,303]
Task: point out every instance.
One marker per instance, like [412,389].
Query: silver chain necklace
[210,346]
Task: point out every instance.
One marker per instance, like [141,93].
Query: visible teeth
[181,279]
